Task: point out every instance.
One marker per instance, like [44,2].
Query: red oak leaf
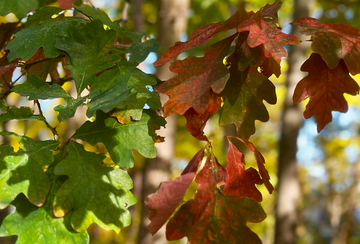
[40,65]
[241,182]
[66,3]
[196,122]
[325,88]
[194,162]
[7,70]
[262,32]
[261,165]
[196,219]
[271,10]
[201,36]
[254,57]
[196,77]
[333,42]
[163,203]
[6,31]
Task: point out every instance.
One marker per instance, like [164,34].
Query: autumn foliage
[58,184]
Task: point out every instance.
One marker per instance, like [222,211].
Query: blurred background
[316,175]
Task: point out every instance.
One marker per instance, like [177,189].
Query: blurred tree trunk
[172,21]
[288,187]
[350,203]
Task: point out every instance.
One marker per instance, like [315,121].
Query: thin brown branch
[53,130]
[61,81]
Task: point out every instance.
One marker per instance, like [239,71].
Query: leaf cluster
[59,188]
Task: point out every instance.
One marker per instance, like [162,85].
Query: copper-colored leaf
[201,36]
[196,122]
[196,219]
[163,203]
[40,65]
[261,165]
[262,32]
[194,162]
[333,42]
[196,77]
[270,10]
[66,3]
[325,88]
[241,182]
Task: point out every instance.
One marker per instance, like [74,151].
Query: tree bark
[288,187]
[346,228]
[172,20]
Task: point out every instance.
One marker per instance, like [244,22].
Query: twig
[11,85]
[53,130]
[61,81]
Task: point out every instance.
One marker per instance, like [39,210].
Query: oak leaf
[195,79]
[202,35]
[325,88]
[167,198]
[243,96]
[22,171]
[196,219]
[89,188]
[262,32]
[241,182]
[196,122]
[333,42]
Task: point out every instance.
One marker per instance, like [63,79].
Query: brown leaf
[325,88]
[333,42]
[163,203]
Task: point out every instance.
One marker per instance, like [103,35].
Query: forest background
[321,173]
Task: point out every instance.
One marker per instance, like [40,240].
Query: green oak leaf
[22,171]
[95,193]
[123,87]
[140,50]
[37,88]
[243,104]
[68,111]
[120,139]
[18,7]
[29,40]
[39,225]
[88,47]
[43,14]
[99,14]
[22,113]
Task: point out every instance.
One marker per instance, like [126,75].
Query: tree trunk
[172,20]
[288,187]
[346,228]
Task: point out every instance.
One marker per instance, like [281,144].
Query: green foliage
[36,88]
[89,188]
[18,7]
[59,188]
[119,138]
[22,171]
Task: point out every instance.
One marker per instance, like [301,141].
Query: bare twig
[61,81]
[53,130]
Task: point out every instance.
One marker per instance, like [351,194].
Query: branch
[53,130]
[61,81]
